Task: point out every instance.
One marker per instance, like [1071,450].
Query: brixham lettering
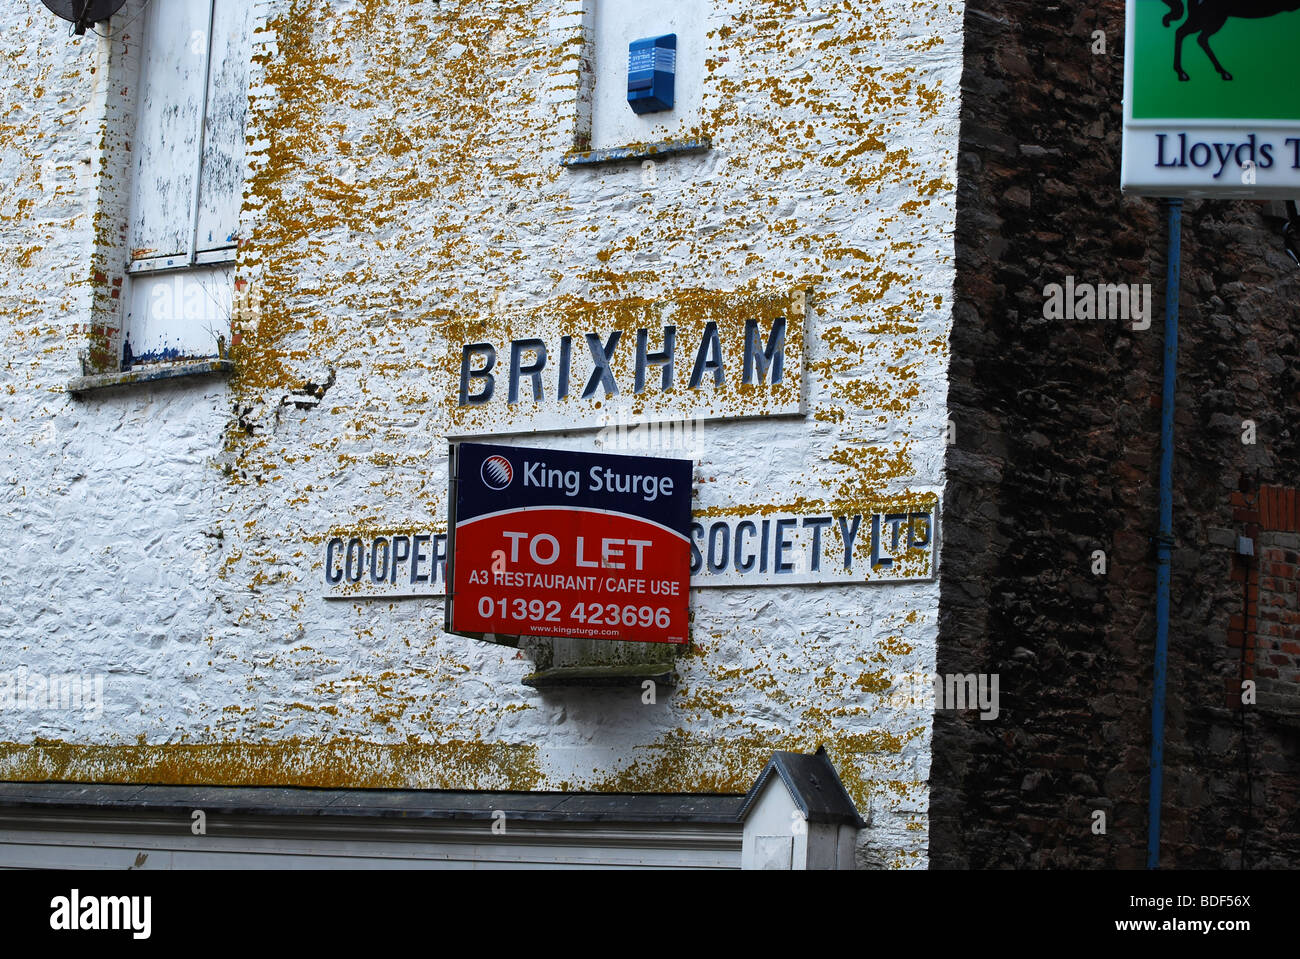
[539,372]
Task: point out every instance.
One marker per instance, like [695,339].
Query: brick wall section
[1275,601]
[1242,625]
[1278,615]
[1057,429]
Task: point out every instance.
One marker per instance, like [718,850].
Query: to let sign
[567,544]
[1211,106]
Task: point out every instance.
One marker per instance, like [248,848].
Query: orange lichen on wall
[336,763]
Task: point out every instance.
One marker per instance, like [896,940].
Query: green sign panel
[1259,53]
[1212,99]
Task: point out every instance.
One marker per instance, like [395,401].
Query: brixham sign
[698,355]
[1210,105]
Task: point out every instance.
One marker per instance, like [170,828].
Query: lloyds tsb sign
[1210,101]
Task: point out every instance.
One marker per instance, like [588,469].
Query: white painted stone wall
[405,180]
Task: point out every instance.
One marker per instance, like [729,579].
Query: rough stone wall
[110,504]
[405,181]
[1056,456]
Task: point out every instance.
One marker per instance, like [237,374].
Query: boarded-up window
[187,187]
[221,177]
[189,144]
[167,132]
[178,314]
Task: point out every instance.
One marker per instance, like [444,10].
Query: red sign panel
[566,544]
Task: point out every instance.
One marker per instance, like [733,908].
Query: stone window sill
[150,374]
[633,674]
[636,151]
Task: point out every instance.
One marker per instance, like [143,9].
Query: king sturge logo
[496,473]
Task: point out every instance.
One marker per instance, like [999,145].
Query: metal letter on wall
[700,355]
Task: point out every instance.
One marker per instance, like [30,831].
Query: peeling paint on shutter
[179,314]
[222,176]
[167,135]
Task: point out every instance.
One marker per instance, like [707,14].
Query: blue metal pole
[1165,536]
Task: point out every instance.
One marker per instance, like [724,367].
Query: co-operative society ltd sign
[1211,99]
[560,543]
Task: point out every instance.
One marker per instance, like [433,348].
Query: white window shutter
[168,132]
[221,179]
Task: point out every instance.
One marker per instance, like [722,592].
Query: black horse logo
[1208,17]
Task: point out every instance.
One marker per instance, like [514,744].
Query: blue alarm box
[651,71]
